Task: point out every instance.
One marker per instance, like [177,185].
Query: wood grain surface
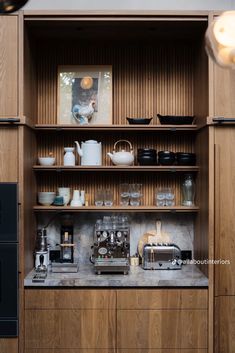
[70,299]
[224,210]
[162,329]
[162,299]
[64,328]
[8,66]
[9,154]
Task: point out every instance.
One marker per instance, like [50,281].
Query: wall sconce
[8,6]
[220,40]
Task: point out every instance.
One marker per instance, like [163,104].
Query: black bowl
[166,158]
[186,158]
[147,160]
[146,152]
[139,121]
[176,119]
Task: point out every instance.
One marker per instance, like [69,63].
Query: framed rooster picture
[84,95]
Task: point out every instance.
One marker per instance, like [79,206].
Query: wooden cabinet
[225,324]
[106,320]
[224,209]
[8,345]
[157,319]
[8,154]
[70,319]
[9,66]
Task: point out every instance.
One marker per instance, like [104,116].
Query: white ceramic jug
[69,157]
[90,152]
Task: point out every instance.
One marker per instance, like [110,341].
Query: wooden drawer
[162,299]
[162,329]
[70,299]
[70,329]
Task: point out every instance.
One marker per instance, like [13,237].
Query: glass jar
[188,190]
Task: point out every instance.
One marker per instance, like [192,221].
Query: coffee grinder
[66,239]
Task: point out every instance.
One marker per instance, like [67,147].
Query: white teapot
[123,157]
[90,152]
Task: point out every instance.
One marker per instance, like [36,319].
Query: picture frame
[84,95]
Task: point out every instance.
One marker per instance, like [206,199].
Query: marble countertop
[188,276]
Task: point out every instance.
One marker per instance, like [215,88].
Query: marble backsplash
[179,228]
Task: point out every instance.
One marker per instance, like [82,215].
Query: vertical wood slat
[146,80]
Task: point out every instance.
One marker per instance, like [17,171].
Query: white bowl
[46,198]
[46,161]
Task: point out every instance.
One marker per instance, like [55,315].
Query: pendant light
[8,6]
[220,40]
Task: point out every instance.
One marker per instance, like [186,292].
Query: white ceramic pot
[123,157]
[90,152]
[69,157]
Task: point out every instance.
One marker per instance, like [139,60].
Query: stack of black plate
[147,156]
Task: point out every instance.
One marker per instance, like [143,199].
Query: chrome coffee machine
[111,249]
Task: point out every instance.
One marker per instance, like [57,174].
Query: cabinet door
[225,324]
[225,209]
[9,345]
[9,66]
[156,321]
[224,87]
[77,321]
[8,154]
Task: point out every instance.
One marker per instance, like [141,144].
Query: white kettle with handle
[90,152]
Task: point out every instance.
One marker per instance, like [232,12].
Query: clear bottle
[188,190]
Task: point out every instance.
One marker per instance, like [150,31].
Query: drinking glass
[135,194]
[124,194]
[160,197]
[169,197]
[99,197]
[108,197]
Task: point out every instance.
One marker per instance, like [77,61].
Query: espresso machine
[111,249]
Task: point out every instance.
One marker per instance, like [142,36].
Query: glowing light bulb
[224,29]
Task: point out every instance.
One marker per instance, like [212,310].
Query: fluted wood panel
[146,80]
[90,182]
[56,141]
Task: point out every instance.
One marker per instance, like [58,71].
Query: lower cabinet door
[64,329]
[225,324]
[169,329]
[8,345]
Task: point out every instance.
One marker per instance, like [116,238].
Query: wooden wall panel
[55,143]
[8,66]
[224,86]
[146,79]
[201,239]
[89,329]
[9,345]
[225,317]
[157,329]
[9,154]
[224,210]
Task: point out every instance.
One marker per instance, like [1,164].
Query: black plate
[139,121]
[176,119]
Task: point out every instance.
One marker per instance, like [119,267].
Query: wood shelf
[59,168]
[116,209]
[55,127]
